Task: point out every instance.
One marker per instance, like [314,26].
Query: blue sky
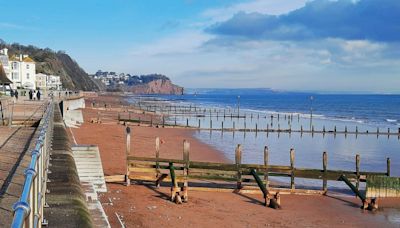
[322,45]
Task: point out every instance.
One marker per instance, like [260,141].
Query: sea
[297,110]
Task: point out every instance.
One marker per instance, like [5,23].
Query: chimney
[4,51]
[20,57]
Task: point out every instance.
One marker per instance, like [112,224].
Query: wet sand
[145,206]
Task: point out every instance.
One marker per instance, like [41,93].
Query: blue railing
[28,211]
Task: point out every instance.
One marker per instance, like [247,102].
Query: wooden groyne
[125,118]
[185,175]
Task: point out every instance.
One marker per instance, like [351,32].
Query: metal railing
[28,211]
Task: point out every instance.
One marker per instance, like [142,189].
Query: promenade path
[16,142]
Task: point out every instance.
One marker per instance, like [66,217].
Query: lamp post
[311,110]
[238,105]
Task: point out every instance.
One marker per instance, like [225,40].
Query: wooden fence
[245,176]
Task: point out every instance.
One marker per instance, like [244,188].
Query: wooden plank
[142,170]
[382,186]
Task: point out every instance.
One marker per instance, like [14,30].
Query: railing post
[127,151]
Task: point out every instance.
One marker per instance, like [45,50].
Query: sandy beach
[146,206]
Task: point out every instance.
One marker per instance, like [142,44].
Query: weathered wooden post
[356,129]
[175,197]
[324,166]
[388,167]
[292,168]
[301,129]
[210,124]
[129,115]
[187,122]
[323,129]
[335,129]
[358,171]
[139,121]
[238,161]
[345,129]
[157,157]
[266,158]
[163,121]
[199,124]
[377,130]
[256,128]
[186,148]
[222,126]
[127,151]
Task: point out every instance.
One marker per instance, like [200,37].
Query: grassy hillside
[56,63]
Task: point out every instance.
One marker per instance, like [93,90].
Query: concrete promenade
[15,143]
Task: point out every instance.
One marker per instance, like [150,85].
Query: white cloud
[194,58]
[272,7]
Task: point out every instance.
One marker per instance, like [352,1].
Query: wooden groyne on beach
[125,118]
[185,174]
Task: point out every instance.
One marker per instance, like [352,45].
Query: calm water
[364,112]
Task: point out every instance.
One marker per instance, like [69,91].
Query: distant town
[112,79]
[20,72]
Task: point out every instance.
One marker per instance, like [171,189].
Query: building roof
[14,58]
[28,60]
[3,76]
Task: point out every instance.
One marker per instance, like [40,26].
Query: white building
[5,62]
[23,72]
[41,81]
[48,82]
[54,82]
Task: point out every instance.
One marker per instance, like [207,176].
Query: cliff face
[147,84]
[56,63]
[159,86]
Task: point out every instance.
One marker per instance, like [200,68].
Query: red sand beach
[145,206]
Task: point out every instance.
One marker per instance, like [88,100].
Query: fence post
[324,166]
[128,149]
[199,123]
[266,157]
[292,168]
[157,157]
[238,161]
[186,148]
[388,167]
[358,171]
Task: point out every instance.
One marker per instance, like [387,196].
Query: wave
[391,120]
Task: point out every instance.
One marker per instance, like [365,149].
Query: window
[14,65]
[27,75]
[14,76]
[27,66]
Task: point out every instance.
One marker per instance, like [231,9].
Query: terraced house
[23,72]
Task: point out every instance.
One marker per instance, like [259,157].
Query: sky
[301,45]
